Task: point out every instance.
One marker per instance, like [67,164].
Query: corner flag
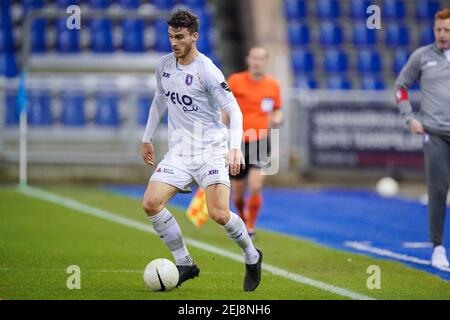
[197,211]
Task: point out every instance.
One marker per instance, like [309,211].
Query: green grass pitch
[39,240]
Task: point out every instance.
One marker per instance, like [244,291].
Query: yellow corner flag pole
[197,211]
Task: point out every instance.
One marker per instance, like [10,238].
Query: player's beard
[186,51]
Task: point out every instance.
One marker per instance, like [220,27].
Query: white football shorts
[180,172]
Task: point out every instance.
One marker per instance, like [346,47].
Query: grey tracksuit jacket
[429,65]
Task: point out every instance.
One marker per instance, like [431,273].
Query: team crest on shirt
[189,79]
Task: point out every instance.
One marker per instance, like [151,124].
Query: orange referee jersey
[257,99]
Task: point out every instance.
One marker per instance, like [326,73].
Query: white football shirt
[194,95]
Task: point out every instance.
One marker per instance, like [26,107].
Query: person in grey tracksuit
[430,65]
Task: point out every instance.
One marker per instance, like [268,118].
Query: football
[161,275]
[387,187]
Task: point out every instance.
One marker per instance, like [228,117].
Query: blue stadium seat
[298,33]
[164,4]
[394,9]
[99,4]
[33,3]
[426,34]
[400,58]
[27,5]
[8,64]
[6,40]
[338,82]
[205,18]
[335,60]
[6,28]
[67,41]
[397,35]
[130,4]
[38,43]
[369,61]
[107,113]
[204,43]
[328,9]
[306,82]
[426,9]
[162,43]
[302,60]
[66,3]
[133,31]
[362,35]
[12,110]
[194,3]
[295,9]
[39,108]
[101,35]
[372,83]
[330,33]
[358,8]
[144,103]
[73,112]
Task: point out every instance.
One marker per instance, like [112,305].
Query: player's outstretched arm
[147,153]
[235,158]
[157,110]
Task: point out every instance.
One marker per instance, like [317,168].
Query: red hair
[443,14]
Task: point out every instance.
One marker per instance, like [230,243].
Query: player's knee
[219,215]
[152,205]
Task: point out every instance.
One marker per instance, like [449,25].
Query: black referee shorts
[256,155]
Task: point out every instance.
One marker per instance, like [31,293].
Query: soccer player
[258,96]
[431,66]
[194,91]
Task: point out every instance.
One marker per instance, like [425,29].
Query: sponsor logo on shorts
[165,170]
[212,172]
[168,171]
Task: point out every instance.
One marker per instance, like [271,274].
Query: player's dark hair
[184,19]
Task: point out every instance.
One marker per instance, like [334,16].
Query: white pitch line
[389,254]
[417,245]
[92,211]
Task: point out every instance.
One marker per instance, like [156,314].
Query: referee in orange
[259,98]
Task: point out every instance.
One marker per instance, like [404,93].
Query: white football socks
[168,230]
[237,231]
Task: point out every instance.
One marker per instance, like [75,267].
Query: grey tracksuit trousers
[436,150]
